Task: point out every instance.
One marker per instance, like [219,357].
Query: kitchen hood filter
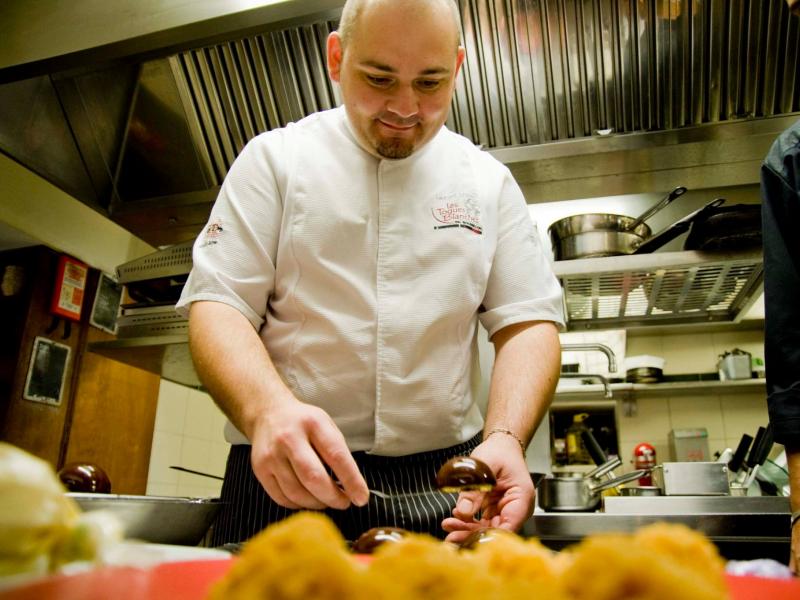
[171,261]
[664,288]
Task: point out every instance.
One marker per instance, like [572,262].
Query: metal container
[640,490]
[156,519]
[736,364]
[603,234]
[695,479]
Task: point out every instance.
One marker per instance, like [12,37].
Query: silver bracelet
[795,518]
[507,432]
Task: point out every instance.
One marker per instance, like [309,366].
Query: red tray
[192,580]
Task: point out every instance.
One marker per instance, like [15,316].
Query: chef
[780,209]
[336,292]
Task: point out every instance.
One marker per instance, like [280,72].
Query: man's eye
[379,81]
[428,85]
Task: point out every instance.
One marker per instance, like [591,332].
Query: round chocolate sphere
[465,474]
[372,538]
[85,477]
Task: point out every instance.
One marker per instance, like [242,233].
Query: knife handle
[752,455]
[741,451]
[598,456]
[765,447]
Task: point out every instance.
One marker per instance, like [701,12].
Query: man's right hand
[291,446]
[292,441]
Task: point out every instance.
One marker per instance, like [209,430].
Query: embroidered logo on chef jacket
[212,233]
[457,210]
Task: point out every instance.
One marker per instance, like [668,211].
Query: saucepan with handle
[604,234]
[581,494]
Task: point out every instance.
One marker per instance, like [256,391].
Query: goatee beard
[394,148]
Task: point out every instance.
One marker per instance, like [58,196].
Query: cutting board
[191,581]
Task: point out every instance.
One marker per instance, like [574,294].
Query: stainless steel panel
[547,70]
[660,288]
[693,505]
[159,154]
[695,479]
[34,131]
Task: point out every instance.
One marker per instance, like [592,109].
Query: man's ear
[460,55]
[335,53]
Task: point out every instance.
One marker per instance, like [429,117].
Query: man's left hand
[508,505]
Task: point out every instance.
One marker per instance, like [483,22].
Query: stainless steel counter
[742,528]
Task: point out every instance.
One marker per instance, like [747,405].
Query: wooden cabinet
[107,409]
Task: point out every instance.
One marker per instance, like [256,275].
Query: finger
[467,505]
[451,524]
[270,485]
[315,479]
[458,536]
[329,443]
[293,489]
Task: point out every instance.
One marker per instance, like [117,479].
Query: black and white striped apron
[248,509]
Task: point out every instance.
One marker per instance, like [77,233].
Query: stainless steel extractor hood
[139,108]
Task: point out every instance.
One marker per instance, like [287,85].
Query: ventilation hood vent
[546,85]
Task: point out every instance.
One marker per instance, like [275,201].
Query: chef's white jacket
[366,278]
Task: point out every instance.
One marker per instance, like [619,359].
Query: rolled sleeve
[521,285]
[234,257]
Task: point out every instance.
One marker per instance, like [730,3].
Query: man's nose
[404,102]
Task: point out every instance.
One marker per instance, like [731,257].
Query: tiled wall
[726,416]
[188,433]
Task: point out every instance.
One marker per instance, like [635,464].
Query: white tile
[165,451]
[651,344]
[651,421]
[212,490]
[218,458]
[688,412]
[688,353]
[198,416]
[217,424]
[193,491]
[743,413]
[716,446]
[171,410]
[162,489]
[195,455]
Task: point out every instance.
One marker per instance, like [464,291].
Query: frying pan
[604,234]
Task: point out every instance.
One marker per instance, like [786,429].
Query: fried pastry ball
[519,568]
[422,567]
[301,557]
[661,562]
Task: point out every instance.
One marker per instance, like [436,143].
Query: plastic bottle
[577,454]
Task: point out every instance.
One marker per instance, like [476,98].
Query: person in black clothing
[780,211]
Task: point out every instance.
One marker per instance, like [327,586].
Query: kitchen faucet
[599,378]
[588,347]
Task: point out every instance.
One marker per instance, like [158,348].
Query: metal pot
[580,494]
[640,490]
[603,234]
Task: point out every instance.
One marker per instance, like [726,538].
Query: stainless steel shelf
[659,289]
[646,390]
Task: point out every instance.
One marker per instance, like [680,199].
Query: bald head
[354,9]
